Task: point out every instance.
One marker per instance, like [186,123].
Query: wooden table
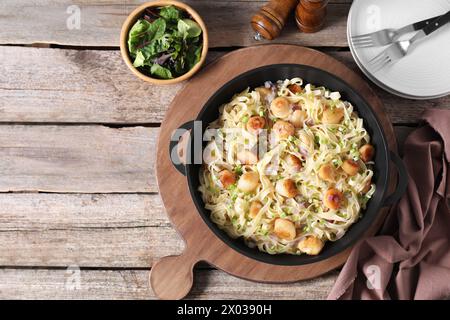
[80,215]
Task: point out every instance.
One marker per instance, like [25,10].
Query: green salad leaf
[139,61]
[166,45]
[189,28]
[136,34]
[170,13]
[193,56]
[161,72]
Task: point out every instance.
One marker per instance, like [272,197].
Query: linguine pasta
[288,169]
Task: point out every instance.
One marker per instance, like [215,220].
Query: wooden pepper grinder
[270,20]
[310,15]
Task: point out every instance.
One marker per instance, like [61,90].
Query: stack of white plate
[425,72]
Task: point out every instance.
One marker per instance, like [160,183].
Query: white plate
[425,72]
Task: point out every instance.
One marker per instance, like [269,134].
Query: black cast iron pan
[255,78]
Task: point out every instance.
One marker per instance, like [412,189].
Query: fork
[387,36]
[399,49]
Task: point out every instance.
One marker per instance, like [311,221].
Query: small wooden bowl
[131,20]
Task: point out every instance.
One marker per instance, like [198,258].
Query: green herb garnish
[238,169]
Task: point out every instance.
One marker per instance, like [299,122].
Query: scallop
[333,199]
[366,152]
[283,129]
[305,140]
[298,117]
[310,245]
[350,167]
[333,115]
[327,173]
[286,188]
[247,157]
[280,107]
[255,207]
[248,182]
[293,162]
[264,94]
[367,186]
[295,88]
[227,178]
[284,229]
[255,124]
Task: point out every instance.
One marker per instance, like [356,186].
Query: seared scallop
[306,141]
[295,88]
[255,207]
[286,188]
[264,93]
[255,124]
[293,162]
[298,117]
[247,157]
[333,199]
[327,173]
[367,186]
[350,167]
[248,182]
[227,178]
[283,129]
[280,107]
[310,245]
[366,152]
[284,229]
[332,115]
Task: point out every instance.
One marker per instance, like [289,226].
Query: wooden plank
[228,23]
[86,159]
[36,212]
[133,284]
[95,86]
[136,247]
[53,85]
[98,230]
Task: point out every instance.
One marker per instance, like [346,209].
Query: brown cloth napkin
[410,257]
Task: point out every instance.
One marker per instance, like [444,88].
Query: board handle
[402,182]
[171,277]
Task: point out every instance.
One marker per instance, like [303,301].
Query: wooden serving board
[172,277]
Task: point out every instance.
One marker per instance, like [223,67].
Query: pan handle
[402,182]
[173,150]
